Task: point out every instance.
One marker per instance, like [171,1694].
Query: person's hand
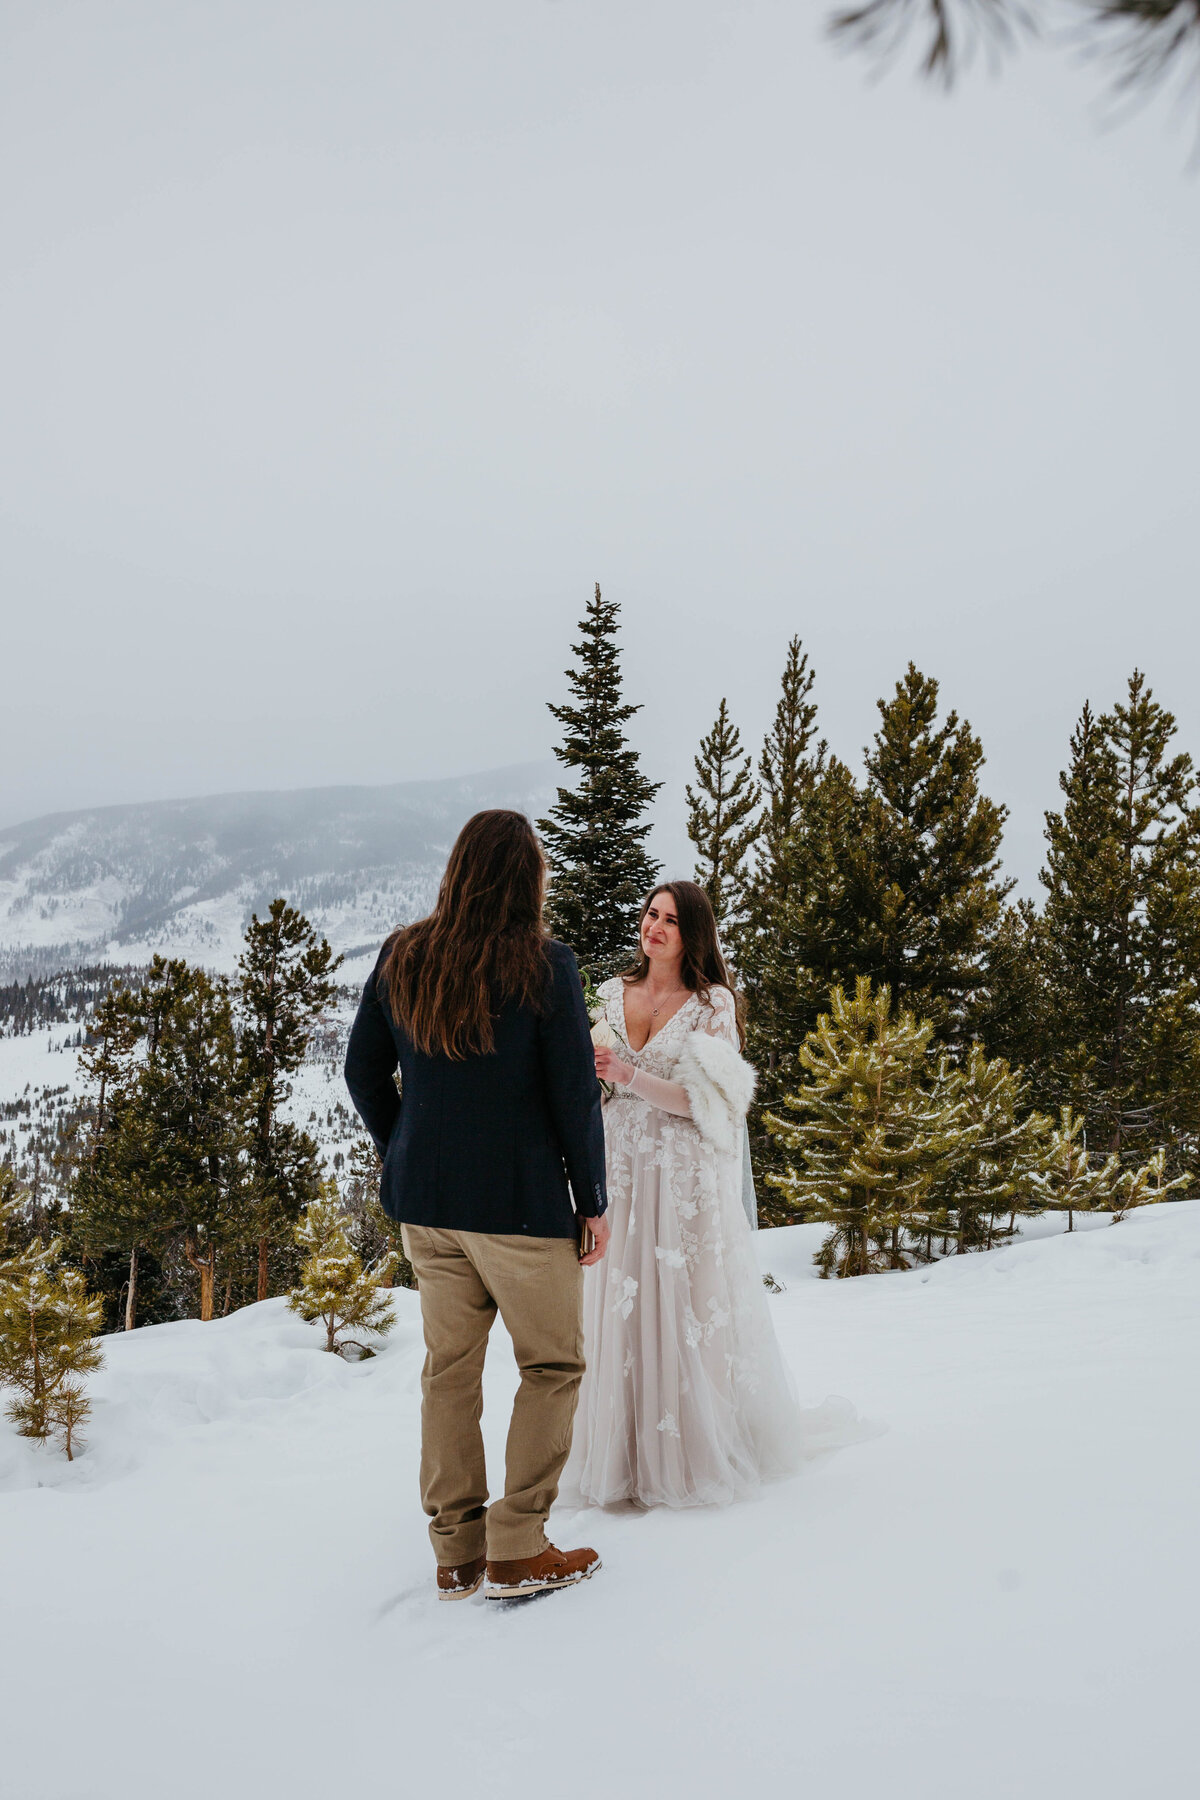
[609,1066]
[601,1232]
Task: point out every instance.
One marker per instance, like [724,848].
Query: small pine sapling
[1068,1181]
[335,1288]
[48,1329]
[372,1234]
[1145,1186]
[872,1135]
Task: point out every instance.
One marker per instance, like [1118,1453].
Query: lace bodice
[716,1016]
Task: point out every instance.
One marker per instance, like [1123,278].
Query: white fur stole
[720,1086]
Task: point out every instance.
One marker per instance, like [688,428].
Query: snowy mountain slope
[183,876]
[995,1596]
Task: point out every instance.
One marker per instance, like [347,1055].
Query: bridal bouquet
[603,1035]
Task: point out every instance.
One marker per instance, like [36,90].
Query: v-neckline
[637,1050]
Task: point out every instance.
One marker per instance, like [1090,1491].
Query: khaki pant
[536,1285]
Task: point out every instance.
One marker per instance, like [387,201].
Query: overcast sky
[345,344]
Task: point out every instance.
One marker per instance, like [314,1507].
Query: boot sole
[519,1589]
[462,1593]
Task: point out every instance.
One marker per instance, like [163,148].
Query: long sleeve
[670,1096]
[569,1068]
[371,1060]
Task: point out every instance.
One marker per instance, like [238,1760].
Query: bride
[686,1401]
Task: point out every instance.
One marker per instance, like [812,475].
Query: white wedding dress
[686,1400]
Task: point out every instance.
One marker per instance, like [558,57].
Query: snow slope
[995,1595]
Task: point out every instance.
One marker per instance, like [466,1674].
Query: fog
[344,346]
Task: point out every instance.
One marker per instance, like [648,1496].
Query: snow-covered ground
[994,1595]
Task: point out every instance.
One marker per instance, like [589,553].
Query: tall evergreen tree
[187,1108]
[927,858]
[114,1214]
[721,814]
[783,963]
[1011,1009]
[285,985]
[595,834]
[1121,932]
[165,1173]
[789,767]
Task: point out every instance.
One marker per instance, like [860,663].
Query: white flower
[603,1035]
[623,1303]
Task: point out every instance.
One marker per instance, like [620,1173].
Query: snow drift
[995,1595]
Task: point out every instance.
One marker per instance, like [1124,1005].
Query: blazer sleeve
[569,1067]
[371,1060]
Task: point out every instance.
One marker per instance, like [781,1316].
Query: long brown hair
[703,966]
[483,943]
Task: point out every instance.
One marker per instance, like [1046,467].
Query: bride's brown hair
[703,966]
[483,943]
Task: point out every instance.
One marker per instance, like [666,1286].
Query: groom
[477,1157]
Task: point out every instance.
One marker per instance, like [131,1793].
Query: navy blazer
[487,1143]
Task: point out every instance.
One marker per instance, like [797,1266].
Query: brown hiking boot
[458,1583]
[550,1569]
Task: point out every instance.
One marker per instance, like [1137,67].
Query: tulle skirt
[686,1400]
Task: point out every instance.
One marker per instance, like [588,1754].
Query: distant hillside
[183,876]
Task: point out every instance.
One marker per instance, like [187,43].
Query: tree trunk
[263,1283]
[228,1294]
[205,1267]
[131,1296]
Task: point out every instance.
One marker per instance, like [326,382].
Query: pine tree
[166,1173]
[994,1160]
[14,1230]
[372,1234]
[871,1136]
[789,865]
[721,814]
[1072,1181]
[48,1327]
[1010,1013]
[284,987]
[1121,932]
[789,766]
[1145,1186]
[595,835]
[926,862]
[334,1286]
[14,1234]
[187,1108]
[113,1212]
